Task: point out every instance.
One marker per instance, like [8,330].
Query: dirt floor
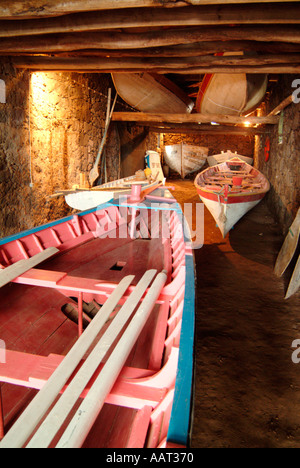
[247,387]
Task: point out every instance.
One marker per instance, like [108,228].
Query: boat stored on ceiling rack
[149,92]
[231,93]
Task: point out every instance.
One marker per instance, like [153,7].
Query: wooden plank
[200,15]
[151,38]
[37,8]
[54,420]
[189,50]
[289,246]
[190,118]
[149,63]
[85,65]
[13,271]
[88,411]
[33,414]
[213,130]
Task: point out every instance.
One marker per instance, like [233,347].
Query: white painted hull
[86,200]
[148,94]
[227,215]
[229,190]
[231,93]
[185,159]
[219,158]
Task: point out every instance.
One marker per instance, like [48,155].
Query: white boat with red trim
[229,190]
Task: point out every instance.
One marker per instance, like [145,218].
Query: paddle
[94,173]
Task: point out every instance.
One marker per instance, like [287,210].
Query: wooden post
[80,314]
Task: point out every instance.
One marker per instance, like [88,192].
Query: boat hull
[185,159]
[151,93]
[230,94]
[229,190]
[103,253]
[227,214]
[215,159]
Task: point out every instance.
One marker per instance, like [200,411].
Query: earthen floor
[247,389]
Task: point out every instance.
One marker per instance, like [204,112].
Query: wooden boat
[185,159]
[86,199]
[229,190]
[225,156]
[153,162]
[230,94]
[122,376]
[149,92]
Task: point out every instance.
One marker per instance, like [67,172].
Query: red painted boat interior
[32,321]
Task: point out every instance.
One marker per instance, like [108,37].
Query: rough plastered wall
[282,168]
[134,142]
[51,126]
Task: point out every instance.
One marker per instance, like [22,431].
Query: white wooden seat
[25,429]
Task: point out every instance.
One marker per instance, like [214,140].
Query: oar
[94,173]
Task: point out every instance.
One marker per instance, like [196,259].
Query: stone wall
[51,126]
[282,168]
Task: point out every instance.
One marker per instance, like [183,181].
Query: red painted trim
[203,87]
[231,198]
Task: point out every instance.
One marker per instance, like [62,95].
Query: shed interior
[57,62]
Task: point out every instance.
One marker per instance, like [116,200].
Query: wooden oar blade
[295,281]
[289,247]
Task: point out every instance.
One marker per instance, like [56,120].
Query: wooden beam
[202,15]
[189,50]
[286,102]
[107,65]
[163,127]
[146,63]
[38,8]
[158,38]
[210,130]
[190,118]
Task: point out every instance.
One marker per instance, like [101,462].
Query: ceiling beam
[204,15]
[152,38]
[101,65]
[191,118]
[189,50]
[39,8]
[176,63]
[203,129]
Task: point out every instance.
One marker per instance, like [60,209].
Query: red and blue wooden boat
[122,375]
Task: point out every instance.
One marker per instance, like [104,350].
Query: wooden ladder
[37,431]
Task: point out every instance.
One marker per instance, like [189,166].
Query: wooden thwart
[37,409]
[82,422]
[88,411]
[13,271]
